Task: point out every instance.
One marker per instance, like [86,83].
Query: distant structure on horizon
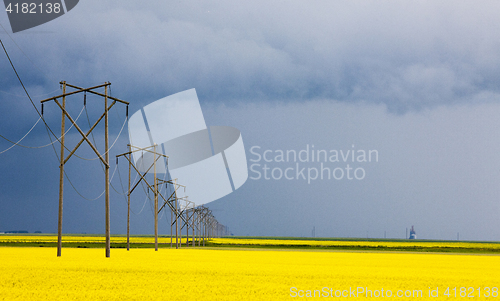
[413,234]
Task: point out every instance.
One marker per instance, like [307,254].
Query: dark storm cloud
[405,55]
[286,73]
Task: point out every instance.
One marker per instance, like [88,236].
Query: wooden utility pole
[106,139]
[156,200]
[187,226]
[171,225]
[85,138]
[128,197]
[61,176]
[142,175]
[176,223]
[194,231]
[173,203]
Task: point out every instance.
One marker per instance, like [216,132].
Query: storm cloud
[418,81]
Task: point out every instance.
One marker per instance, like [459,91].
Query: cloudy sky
[417,82]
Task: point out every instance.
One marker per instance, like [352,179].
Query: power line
[17,143]
[36,109]
[22,84]
[17,95]
[37,147]
[26,91]
[25,53]
[29,97]
[81,195]
[121,183]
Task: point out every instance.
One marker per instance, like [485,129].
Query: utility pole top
[84,90]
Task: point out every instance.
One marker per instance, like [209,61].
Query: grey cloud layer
[405,55]
[290,59]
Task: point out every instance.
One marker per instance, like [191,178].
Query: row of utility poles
[184,214]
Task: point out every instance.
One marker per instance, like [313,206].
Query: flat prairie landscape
[36,273]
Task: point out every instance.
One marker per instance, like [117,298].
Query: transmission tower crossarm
[97,93]
[75,92]
[145,149]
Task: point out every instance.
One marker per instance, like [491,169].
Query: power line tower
[150,150]
[173,202]
[85,138]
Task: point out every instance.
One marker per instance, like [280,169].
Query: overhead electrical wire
[22,84]
[81,195]
[93,140]
[24,88]
[27,94]
[121,184]
[17,143]
[20,49]
[57,138]
[146,191]
[48,129]
[101,164]
[143,206]
[38,112]
[69,180]
[17,95]
[35,147]
[125,194]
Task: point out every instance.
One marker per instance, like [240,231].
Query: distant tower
[413,234]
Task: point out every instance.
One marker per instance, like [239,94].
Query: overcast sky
[418,82]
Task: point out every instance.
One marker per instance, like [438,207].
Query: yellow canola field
[388,244]
[253,241]
[82,239]
[231,274]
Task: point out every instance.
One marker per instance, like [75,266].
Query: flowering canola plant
[255,241]
[80,239]
[347,243]
[232,274]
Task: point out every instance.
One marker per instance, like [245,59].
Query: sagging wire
[47,128]
[67,177]
[38,112]
[37,147]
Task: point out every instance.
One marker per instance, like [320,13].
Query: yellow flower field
[254,241]
[330,243]
[231,274]
[82,239]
